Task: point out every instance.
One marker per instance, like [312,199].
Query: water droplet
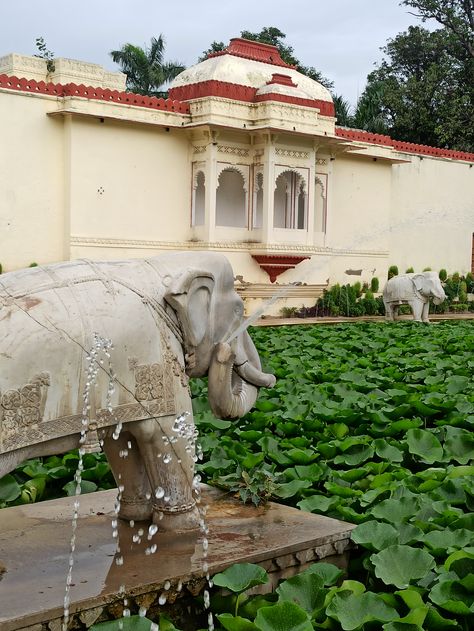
[126,613]
[207,599]
[132,523]
[167,458]
[140,532]
[162,599]
[159,493]
[179,586]
[167,585]
[119,560]
[210,622]
[154,627]
[142,612]
[152,530]
[166,499]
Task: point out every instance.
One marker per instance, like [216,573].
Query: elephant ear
[190,297]
[419,280]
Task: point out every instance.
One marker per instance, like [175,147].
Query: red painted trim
[248,49]
[276,264]
[88,92]
[214,88]
[281,79]
[405,147]
[244,93]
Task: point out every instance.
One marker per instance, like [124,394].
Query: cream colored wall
[31,181]
[128,182]
[358,216]
[432,215]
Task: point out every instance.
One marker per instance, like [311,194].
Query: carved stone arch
[284,170]
[318,180]
[243,171]
[199,168]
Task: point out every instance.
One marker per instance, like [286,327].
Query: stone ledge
[34,549]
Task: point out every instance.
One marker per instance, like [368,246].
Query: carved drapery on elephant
[168,318]
[414,290]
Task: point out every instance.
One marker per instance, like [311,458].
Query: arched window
[289,201]
[199,196]
[231,199]
[320,203]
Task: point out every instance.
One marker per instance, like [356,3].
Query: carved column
[211,191]
[268,190]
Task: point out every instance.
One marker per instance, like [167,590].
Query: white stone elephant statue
[414,290]
[169,318]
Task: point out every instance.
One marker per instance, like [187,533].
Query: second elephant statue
[414,290]
[169,318]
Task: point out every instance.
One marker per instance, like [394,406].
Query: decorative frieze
[292,153]
[199,149]
[235,151]
[321,161]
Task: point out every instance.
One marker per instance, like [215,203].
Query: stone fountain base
[35,543]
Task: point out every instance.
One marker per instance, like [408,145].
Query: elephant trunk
[234,378]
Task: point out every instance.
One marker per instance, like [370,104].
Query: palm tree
[145,68]
[343,110]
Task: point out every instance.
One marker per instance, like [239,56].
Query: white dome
[239,64]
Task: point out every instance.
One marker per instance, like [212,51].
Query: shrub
[374,285]
[471,305]
[1,268]
[456,277]
[458,307]
[409,270]
[470,283]
[357,289]
[443,275]
[33,264]
[289,312]
[392,271]
[427,269]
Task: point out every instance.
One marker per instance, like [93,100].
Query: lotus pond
[370,423]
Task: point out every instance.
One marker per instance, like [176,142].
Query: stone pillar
[310,192]
[211,190]
[268,190]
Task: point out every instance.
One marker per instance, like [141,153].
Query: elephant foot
[178,520]
[134,509]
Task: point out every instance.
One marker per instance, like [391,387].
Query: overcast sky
[341,38]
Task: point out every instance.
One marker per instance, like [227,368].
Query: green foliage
[443,275]
[46,54]
[288,312]
[409,270]
[128,623]
[424,89]
[145,67]
[374,285]
[392,271]
[47,478]
[427,269]
[382,419]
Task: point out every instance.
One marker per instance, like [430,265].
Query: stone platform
[35,542]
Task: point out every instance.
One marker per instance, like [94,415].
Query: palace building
[245,157]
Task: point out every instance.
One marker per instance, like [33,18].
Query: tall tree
[457,16]
[422,91]
[145,68]
[343,110]
[272,35]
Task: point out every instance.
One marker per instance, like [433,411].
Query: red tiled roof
[405,147]
[88,92]
[248,49]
